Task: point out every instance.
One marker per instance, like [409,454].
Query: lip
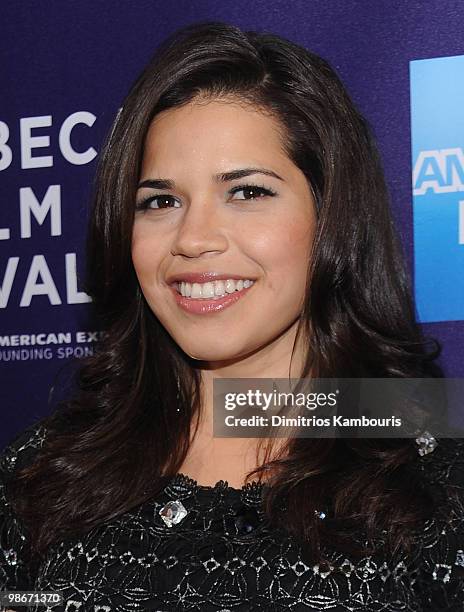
[204,277]
[209,305]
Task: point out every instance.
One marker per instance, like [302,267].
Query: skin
[206,228]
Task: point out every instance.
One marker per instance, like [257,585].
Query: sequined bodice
[219,554]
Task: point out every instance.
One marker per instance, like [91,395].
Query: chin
[212,353]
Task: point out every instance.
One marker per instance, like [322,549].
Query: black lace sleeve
[14,570]
[440,550]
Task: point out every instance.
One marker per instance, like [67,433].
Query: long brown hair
[112,445]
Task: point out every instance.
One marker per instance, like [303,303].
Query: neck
[273,361]
[209,458]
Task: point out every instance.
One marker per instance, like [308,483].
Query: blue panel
[437,117]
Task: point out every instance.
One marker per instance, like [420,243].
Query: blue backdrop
[66,67]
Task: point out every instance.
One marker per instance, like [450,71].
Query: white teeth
[220,288]
[196,290]
[230,285]
[212,289]
[207,290]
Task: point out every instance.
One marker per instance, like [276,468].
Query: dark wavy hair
[113,444]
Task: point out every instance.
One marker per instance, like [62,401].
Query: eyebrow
[224,177]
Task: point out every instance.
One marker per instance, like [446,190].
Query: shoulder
[440,545]
[19,452]
[446,460]
[442,472]
[14,545]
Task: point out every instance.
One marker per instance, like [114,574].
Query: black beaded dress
[220,555]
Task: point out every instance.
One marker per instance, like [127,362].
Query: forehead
[221,130]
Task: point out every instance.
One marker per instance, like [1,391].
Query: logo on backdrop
[437,125]
[39,207]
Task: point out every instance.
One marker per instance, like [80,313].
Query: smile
[211,290]
[207,301]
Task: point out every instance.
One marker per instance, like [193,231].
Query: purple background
[58,58]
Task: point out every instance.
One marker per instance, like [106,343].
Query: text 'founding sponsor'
[48,345]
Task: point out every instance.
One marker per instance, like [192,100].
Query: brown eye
[251,192]
[157,202]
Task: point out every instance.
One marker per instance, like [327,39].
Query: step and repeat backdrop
[65,69]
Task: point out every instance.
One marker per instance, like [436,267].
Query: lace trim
[183,486]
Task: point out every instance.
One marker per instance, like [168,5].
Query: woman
[240,229]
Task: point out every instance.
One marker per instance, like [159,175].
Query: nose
[200,230]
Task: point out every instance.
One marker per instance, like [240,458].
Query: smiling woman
[240,229]
[234,207]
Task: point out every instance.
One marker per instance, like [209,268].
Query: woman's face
[221,197]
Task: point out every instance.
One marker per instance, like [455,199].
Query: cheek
[284,255]
[144,259]
[137,255]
